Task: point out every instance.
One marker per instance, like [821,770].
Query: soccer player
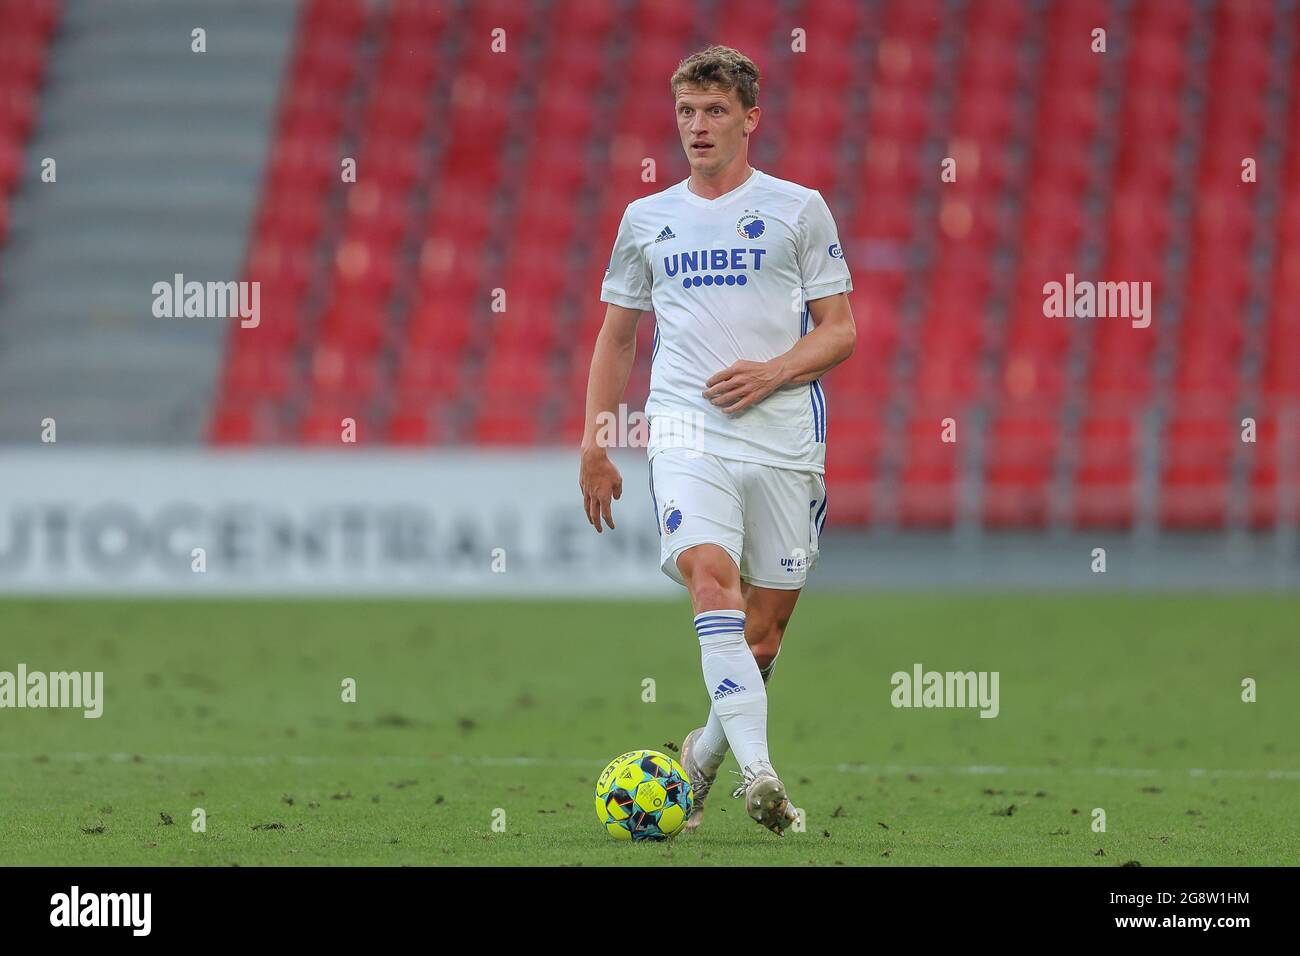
[748,283]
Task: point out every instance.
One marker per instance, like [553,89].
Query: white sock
[733,680]
[713,742]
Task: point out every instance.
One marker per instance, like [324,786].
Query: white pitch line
[481,761]
[1194,772]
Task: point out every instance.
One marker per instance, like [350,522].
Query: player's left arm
[828,344]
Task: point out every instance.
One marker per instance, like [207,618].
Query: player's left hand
[743,384]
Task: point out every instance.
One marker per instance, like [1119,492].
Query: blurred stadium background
[480,170]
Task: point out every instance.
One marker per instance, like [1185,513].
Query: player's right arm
[611,365]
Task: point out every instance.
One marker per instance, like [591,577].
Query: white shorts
[768,519]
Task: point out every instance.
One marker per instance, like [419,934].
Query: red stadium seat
[853,461]
[257,374]
[17,112]
[1021,458]
[413,427]
[481,173]
[426,374]
[330,422]
[1106,473]
[898,114]
[232,426]
[504,422]
[341,372]
[929,479]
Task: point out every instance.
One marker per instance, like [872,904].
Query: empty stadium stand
[159,150]
[482,175]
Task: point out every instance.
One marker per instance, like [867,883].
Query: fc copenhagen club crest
[751,226]
[672,518]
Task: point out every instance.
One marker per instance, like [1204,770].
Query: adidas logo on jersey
[727,688]
[666,234]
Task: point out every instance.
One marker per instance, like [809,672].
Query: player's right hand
[600,481]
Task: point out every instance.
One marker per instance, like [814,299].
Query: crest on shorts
[672,517]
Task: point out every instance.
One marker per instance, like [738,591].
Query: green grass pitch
[475,711]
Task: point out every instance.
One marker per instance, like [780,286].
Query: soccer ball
[643,795]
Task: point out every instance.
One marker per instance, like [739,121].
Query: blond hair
[722,67]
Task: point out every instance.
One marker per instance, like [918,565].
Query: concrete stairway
[160,153]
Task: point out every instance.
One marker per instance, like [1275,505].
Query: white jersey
[729,279]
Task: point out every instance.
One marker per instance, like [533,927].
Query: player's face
[713,126]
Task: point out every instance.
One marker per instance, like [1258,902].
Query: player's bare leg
[767,614]
[732,673]
[712,578]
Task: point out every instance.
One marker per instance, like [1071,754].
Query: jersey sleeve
[821,257]
[627,280]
